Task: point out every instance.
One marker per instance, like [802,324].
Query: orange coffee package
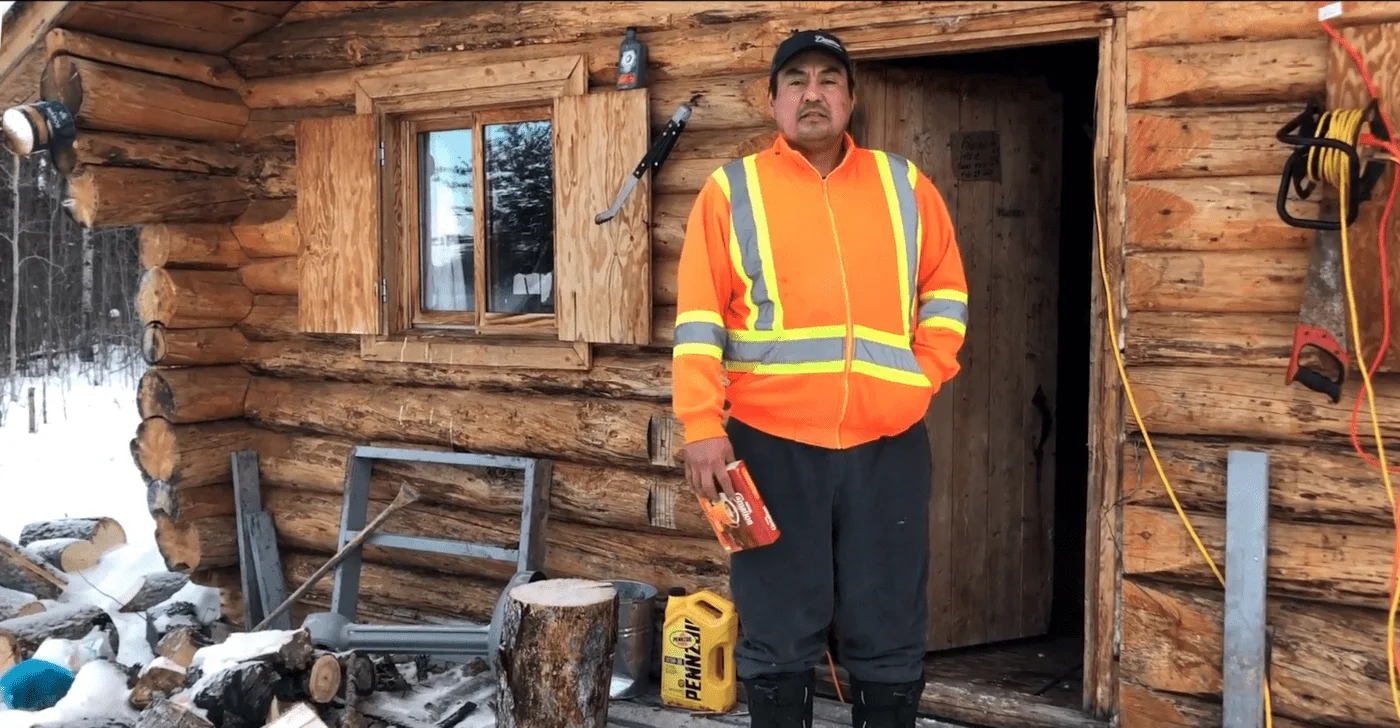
[743,522]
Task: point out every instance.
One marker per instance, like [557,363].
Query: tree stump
[555,659]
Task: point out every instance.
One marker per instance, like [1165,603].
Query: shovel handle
[1311,336]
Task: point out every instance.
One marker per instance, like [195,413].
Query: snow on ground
[78,465]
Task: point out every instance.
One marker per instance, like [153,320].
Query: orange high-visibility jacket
[836,307]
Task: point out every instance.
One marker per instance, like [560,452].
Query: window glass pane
[447,219]
[520,217]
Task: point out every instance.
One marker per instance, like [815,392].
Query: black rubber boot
[885,705]
[781,701]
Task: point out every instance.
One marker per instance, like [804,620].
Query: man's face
[812,101]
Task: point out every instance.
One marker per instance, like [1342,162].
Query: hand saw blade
[1321,319]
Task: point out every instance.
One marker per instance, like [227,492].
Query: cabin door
[991,146]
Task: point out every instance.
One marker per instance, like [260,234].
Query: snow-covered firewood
[74,653]
[18,604]
[65,554]
[152,589]
[161,677]
[63,621]
[300,715]
[179,645]
[238,696]
[104,533]
[21,571]
[164,713]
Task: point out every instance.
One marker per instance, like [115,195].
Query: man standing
[823,281]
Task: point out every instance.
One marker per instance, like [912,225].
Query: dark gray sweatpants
[852,556]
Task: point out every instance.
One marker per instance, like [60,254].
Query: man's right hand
[705,462]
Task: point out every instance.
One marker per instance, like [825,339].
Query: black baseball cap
[806,40]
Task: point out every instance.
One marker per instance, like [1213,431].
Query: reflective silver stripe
[800,351]
[956,310]
[909,212]
[700,332]
[746,231]
[884,355]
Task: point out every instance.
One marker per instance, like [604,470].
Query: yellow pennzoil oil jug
[697,652]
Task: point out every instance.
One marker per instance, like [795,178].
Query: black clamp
[1303,133]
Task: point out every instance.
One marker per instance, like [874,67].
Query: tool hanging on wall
[1321,317]
[660,149]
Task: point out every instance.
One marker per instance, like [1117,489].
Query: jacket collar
[786,153]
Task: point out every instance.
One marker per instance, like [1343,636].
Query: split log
[62,621]
[274,318]
[187,504]
[192,299]
[1235,72]
[165,713]
[1232,213]
[22,572]
[1216,282]
[103,96]
[1331,563]
[557,639]
[1319,483]
[1327,663]
[276,276]
[203,68]
[201,543]
[268,229]
[179,645]
[111,149]
[622,498]
[286,650]
[152,589]
[1236,402]
[236,681]
[195,245]
[105,196]
[322,681]
[160,678]
[1232,141]
[300,715]
[1262,340]
[65,554]
[621,372]
[191,347]
[105,533]
[238,697]
[189,456]
[590,431]
[311,521]
[14,603]
[193,394]
[1170,23]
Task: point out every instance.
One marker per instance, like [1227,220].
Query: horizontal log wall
[1212,282]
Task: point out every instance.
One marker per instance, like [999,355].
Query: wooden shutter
[602,272]
[338,216]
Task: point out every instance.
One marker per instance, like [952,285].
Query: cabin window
[450,219]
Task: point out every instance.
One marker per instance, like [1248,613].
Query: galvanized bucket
[632,656]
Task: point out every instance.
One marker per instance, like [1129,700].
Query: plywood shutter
[338,216]
[603,272]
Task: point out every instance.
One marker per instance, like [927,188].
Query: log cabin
[313,281]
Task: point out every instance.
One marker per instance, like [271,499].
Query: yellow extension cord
[1334,169]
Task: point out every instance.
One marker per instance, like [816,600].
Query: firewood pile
[203,672]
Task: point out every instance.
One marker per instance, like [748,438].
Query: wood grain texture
[1345,89]
[1235,72]
[1221,282]
[108,97]
[201,543]
[207,246]
[1194,21]
[268,229]
[1217,339]
[603,272]
[215,28]
[188,504]
[275,276]
[191,347]
[114,149]
[106,196]
[1146,708]
[1215,214]
[192,299]
[1327,663]
[583,430]
[1238,402]
[208,69]
[1207,141]
[193,394]
[189,456]
[21,572]
[338,221]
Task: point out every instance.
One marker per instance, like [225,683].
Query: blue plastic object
[35,685]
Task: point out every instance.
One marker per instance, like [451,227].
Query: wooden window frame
[473,96]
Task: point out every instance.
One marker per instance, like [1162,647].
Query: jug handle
[717,656]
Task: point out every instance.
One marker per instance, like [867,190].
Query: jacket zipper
[848,351]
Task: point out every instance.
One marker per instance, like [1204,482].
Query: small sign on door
[977,155]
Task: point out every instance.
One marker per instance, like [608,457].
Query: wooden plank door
[992,147]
